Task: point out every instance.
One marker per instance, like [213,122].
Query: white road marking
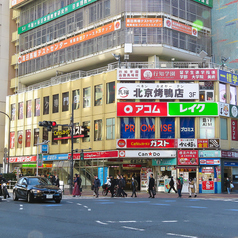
[170,221]
[85,206]
[101,223]
[172,234]
[21,208]
[126,221]
[89,210]
[132,228]
[21,205]
[69,202]
[79,204]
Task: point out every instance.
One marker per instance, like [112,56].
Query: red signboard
[142,109]
[12,140]
[96,155]
[188,157]
[179,74]
[202,143]
[234,134]
[147,143]
[229,154]
[208,170]
[207,185]
[22,159]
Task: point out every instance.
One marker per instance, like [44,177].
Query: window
[223,128]
[147,127]
[98,95]
[97,130]
[76,97]
[127,127]
[110,128]
[28,109]
[222,92]
[13,112]
[46,101]
[19,139]
[65,102]
[167,127]
[65,141]
[55,103]
[233,95]
[37,107]
[110,92]
[86,97]
[45,133]
[28,138]
[87,123]
[207,128]
[36,135]
[54,142]
[187,127]
[20,110]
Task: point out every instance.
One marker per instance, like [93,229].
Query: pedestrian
[76,191]
[151,186]
[192,188]
[181,180]
[97,185]
[123,186]
[228,185]
[171,184]
[79,182]
[112,187]
[92,186]
[179,187]
[134,185]
[119,185]
[56,180]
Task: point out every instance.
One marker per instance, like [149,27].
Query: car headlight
[36,191]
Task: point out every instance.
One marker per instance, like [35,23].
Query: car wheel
[15,198]
[57,200]
[29,197]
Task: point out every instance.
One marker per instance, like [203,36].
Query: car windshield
[38,181]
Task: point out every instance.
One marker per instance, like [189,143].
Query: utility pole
[72,149]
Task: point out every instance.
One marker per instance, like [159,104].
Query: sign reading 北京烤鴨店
[208,3]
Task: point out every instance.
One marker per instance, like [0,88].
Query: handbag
[80,189]
[232,185]
[154,192]
[92,187]
[191,186]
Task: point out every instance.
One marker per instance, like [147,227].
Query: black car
[31,188]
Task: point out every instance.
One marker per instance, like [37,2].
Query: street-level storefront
[210,171]
[187,167]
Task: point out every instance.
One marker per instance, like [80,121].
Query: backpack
[123,182]
[136,183]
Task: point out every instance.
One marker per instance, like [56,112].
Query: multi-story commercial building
[138,74]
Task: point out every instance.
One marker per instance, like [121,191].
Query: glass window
[53,141]
[65,141]
[127,127]
[110,128]
[45,133]
[28,138]
[37,107]
[13,112]
[98,95]
[36,135]
[233,95]
[87,124]
[97,130]
[76,97]
[222,92]
[187,127]
[46,101]
[110,92]
[20,110]
[207,128]
[19,139]
[65,102]
[56,103]
[223,128]
[147,127]
[28,109]
[86,97]
[167,127]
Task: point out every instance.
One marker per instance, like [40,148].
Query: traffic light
[86,131]
[48,124]
[81,155]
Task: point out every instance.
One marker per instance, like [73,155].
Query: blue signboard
[55,157]
[44,149]
[167,128]
[209,153]
[128,128]
[228,77]
[164,162]
[187,128]
[232,164]
[147,127]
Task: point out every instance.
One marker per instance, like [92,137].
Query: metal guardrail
[81,74]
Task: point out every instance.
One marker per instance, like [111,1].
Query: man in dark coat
[97,185]
[171,184]
[112,187]
[151,186]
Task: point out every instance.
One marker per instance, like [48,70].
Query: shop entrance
[187,173]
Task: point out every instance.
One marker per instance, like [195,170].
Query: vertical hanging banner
[234,134]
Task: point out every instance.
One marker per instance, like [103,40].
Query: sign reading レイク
[54,15]
[158,91]
[144,22]
[208,3]
[193,109]
[71,41]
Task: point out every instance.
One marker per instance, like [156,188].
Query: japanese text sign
[187,157]
[228,77]
[144,22]
[234,130]
[147,153]
[16,2]
[208,3]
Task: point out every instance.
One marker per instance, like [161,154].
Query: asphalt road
[120,217]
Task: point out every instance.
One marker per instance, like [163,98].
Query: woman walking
[76,191]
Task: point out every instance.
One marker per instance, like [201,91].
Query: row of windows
[98,101]
[133,35]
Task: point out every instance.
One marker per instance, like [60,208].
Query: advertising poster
[128,127]
[145,174]
[147,127]
[188,157]
[28,138]
[167,127]
[234,132]
[224,109]
[144,22]
[12,140]
[20,110]
[207,185]
[187,127]
[207,127]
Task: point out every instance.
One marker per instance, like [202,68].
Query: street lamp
[8,152]
[118,58]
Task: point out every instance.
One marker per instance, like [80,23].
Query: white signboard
[224,109]
[157,91]
[187,143]
[147,154]
[128,74]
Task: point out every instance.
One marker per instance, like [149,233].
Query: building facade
[139,75]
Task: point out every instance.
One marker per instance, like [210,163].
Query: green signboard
[194,109]
[208,3]
[54,15]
